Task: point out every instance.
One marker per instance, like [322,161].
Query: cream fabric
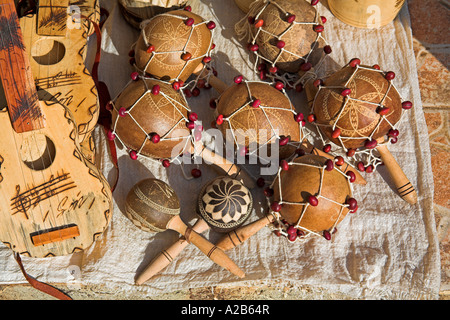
[387,250]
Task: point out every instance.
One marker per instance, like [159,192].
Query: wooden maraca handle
[309,148]
[404,187]
[165,257]
[215,82]
[210,250]
[240,235]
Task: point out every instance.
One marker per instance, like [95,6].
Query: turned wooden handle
[215,82]
[214,253]
[309,148]
[240,235]
[165,257]
[404,187]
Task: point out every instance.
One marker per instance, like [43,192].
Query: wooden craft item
[152,205]
[171,45]
[90,9]
[225,204]
[366,13]
[57,61]
[53,201]
[135,12]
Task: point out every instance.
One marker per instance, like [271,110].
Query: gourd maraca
[356,108]
[153,206]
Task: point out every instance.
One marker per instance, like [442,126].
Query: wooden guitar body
[57,63]
[63,196]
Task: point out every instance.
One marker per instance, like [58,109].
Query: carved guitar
[52,200]
[56,44]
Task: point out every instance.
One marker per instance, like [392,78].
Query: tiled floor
[430,24]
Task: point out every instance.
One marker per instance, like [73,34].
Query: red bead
[281,44]
[133,155]
[176,85]
[393,133]
[238,79]
[156,89]
[155,138]
[376,67]
[318,28]
[213,103]
[311,118]
[212,46]
[188,8]
[189,22]
[190,125]
[132,61]
[150,48]
[355,62]
[313,201]
[196,92]
[256,103]
[279,85]
[131,53]
[219,119]
[360,166]
[393,140]
[352,176]
[407,105]
[327,148]
[351,152]
[300,152]
[196,173]
[383,111]
[259,23]
[291,230]
[339,161]
[275,206]
[323,19]
[390,75]
[262,75]
[299,87]
[198,135]
[290,18]
[346,92]
[260,182]
[187,93]
[317,83]
[306,66]
[134,76]
[292,237]
[370,144]
[166,163]
[193,116]
[327,49]
[284,141]
[352,203]
[314,2]
[336,133]
[268,192]
[284,165]
[327,235]
[211,25]
[298,117]
[186,56]
[251,20]
[111,135]
[329,165]
[369,168]
[253,47]
[277,233]
[122,112]
[243,151]
[206,59]
[109,106]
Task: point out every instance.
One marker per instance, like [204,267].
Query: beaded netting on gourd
[296,232]
[186,56]
[193,131]
[364,157]
[256,104]
[244,30]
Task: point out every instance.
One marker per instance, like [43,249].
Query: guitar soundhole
[48,52]
[37,152]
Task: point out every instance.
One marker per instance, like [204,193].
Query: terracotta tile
[426,16]
[439,163]
[434,80]
[434,121]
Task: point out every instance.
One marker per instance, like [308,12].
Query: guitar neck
[15,73]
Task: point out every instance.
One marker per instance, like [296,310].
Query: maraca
[153,206]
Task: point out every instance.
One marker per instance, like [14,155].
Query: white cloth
[388,249]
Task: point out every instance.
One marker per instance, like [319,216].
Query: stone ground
[430,24]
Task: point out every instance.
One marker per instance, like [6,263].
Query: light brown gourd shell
[150,114]
[169,35]
[356,118]
[299,182]
[151,204]
[299,40]
[254,125]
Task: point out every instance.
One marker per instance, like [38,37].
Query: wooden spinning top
[171,45]
[356,104]
[286,34]
[152,205]
[150,118]
[225,204]
[311,196]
